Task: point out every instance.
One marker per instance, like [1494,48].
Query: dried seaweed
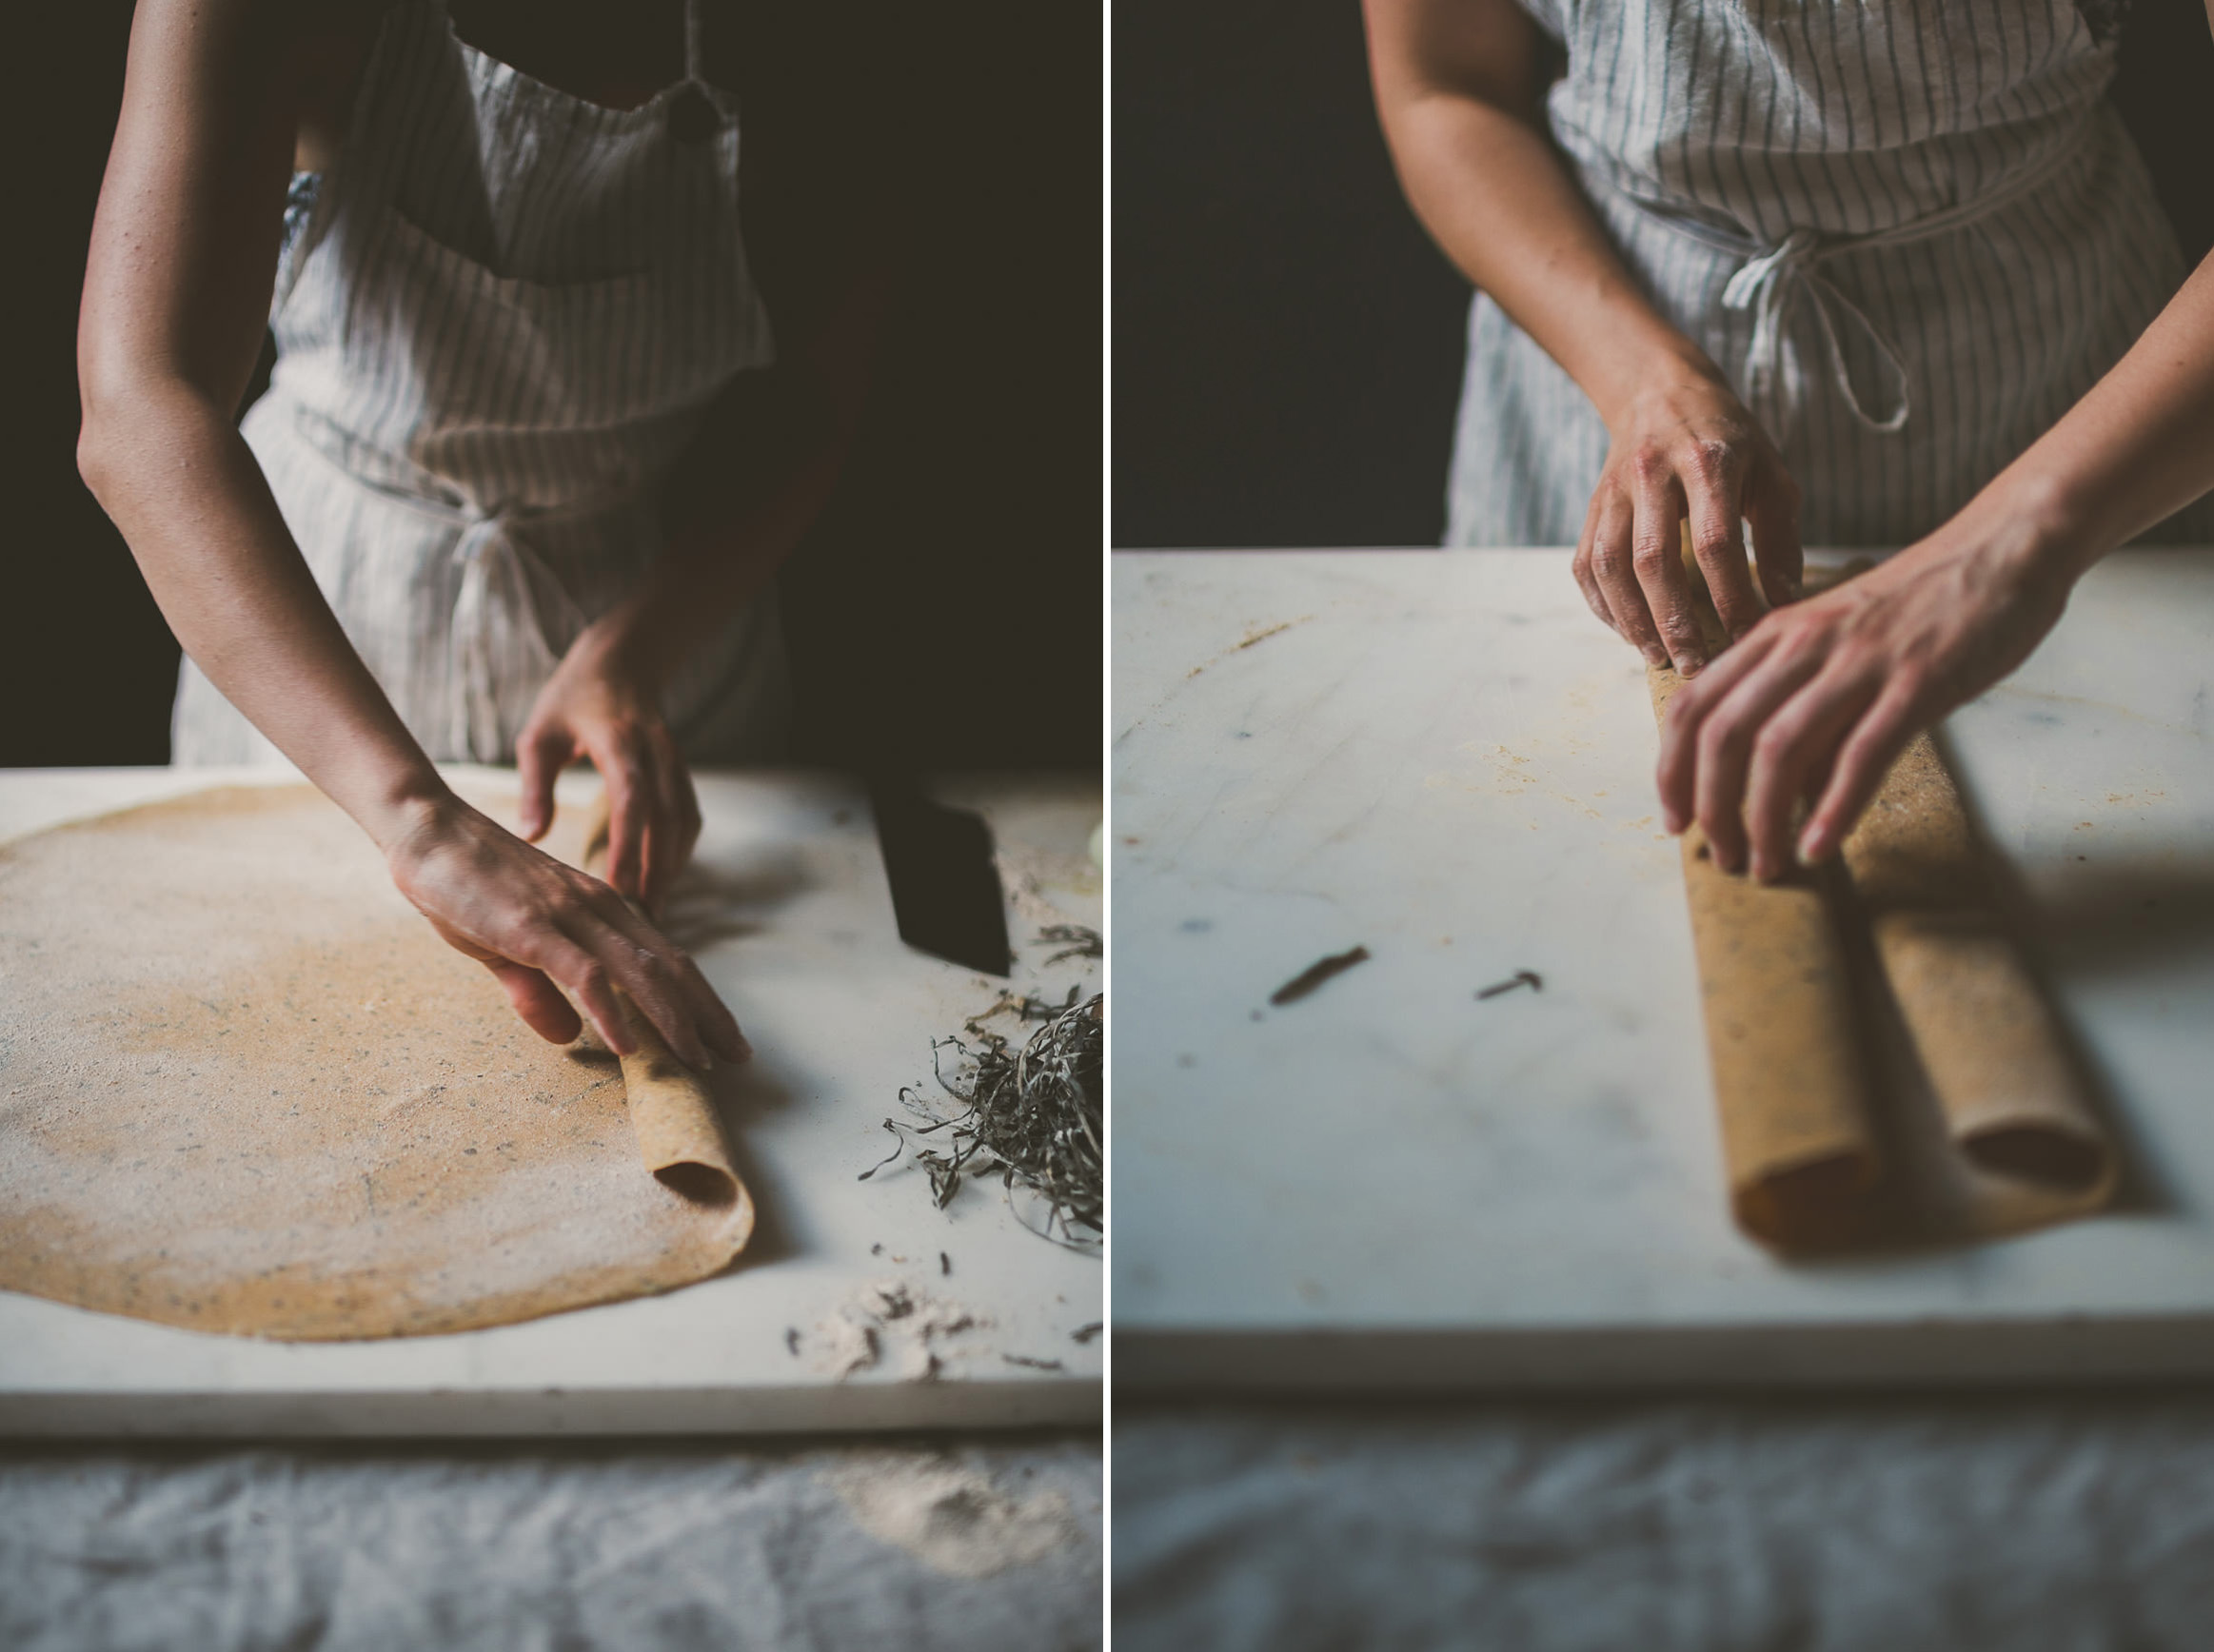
[1032,1116]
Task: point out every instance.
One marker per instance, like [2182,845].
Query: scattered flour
[888,1316]
[950,1518]
[845,1344]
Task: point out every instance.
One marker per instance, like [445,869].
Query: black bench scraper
[945,891]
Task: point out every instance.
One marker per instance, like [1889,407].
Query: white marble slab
[840,1014]
[1443,757]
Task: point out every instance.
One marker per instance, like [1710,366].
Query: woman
[1887,275]
[500,252]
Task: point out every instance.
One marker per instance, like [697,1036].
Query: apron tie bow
[1770,284]
[1771,280]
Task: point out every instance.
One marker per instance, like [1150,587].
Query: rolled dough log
[2031,1147]
[1790,1087]
[245,1088]
[672,1114]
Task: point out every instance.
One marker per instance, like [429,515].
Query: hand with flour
[1685,449]
[541,926]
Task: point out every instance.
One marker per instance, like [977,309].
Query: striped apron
[499,322]
[1912,234]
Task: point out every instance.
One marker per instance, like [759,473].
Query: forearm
[180,482]
[176,295]
[2137,449]
[1500,202]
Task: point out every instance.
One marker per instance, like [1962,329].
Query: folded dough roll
[672,1112]
[2012,1101]
[1790,1087]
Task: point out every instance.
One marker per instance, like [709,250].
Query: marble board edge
[2062,1348]
[552,1412]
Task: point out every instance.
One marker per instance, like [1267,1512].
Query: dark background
[1287,343]
[946,611]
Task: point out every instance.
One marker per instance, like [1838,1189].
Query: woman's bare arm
[176,292]
[1456,83]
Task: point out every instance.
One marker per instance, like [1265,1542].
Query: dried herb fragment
[1529,978]
[1315,973]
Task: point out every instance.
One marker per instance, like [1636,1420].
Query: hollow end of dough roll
[680,1137]
[2040,1152]
[2009,1094]
[1811,1207]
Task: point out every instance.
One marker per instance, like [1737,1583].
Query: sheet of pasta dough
[245,1088]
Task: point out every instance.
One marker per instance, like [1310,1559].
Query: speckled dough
[245,1088]
[1790,1081]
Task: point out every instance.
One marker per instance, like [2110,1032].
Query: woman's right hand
[540,925]
[1684,446]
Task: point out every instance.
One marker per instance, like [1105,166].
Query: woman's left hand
[1819,698]
[597,705]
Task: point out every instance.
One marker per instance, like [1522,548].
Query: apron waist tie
[505,597]
[1771,280]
